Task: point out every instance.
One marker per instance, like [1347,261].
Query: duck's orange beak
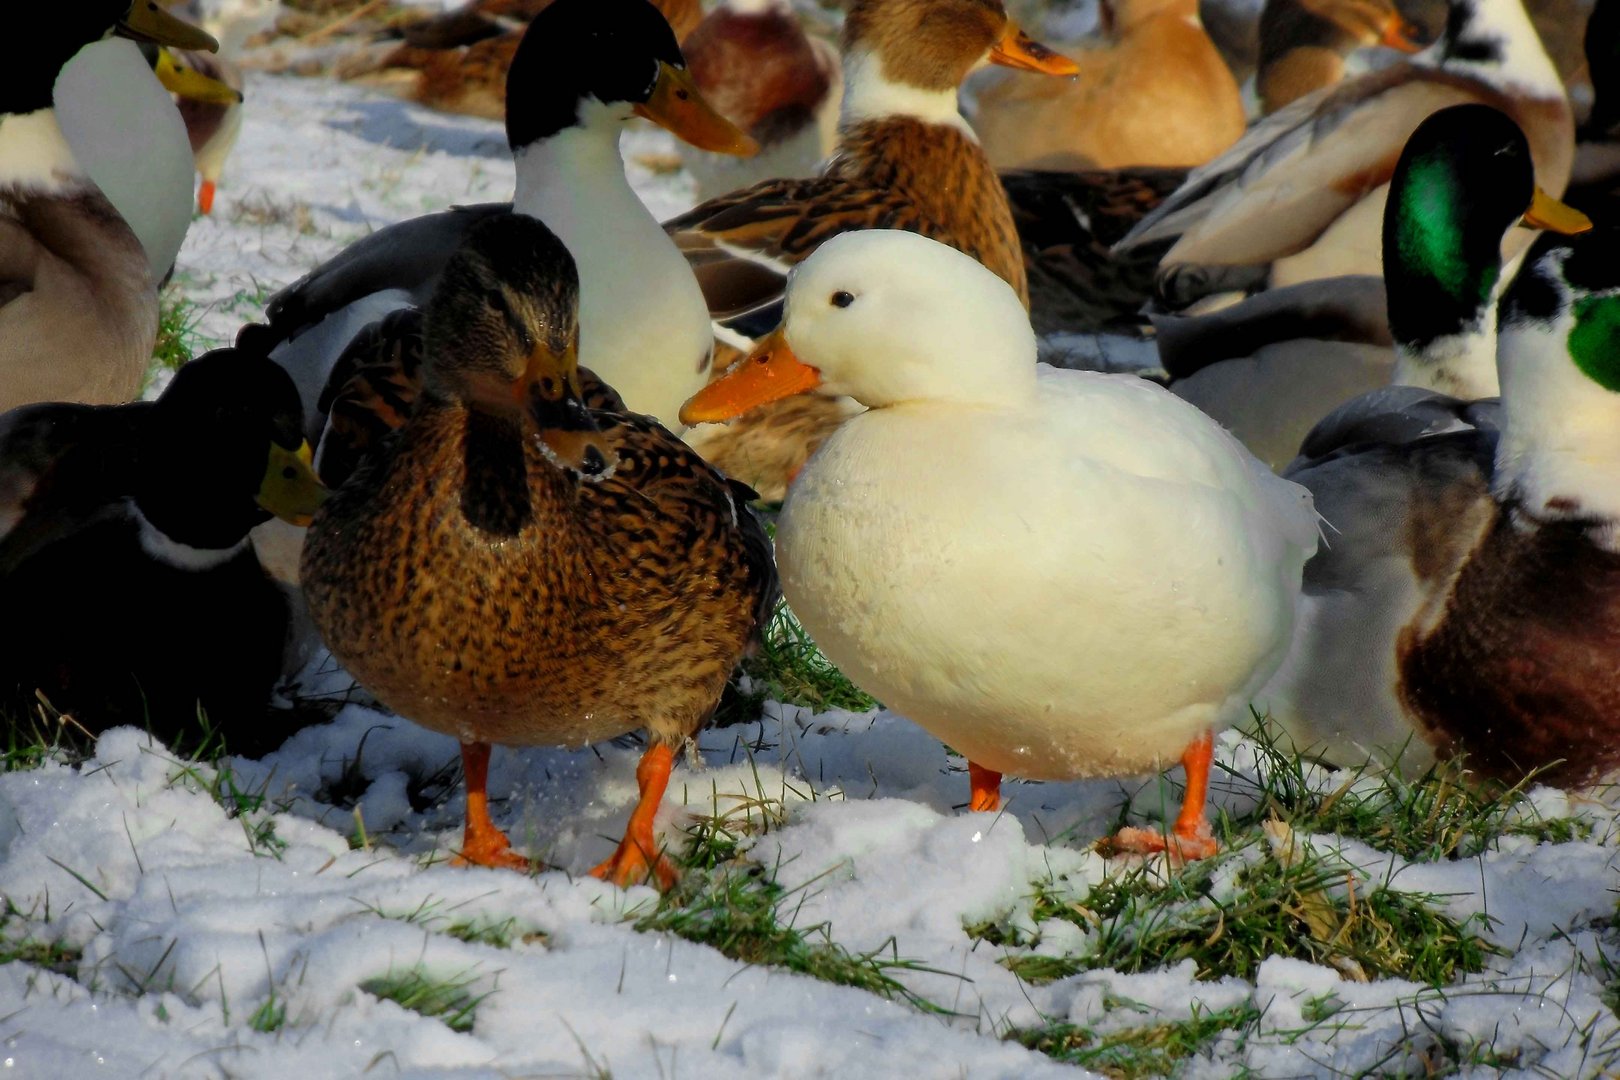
[1548,213]
[769,373]
[1017,49]
[1401,35]
[677,105]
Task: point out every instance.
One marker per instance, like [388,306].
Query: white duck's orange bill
[769,373]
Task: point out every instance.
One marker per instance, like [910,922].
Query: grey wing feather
[1393,416]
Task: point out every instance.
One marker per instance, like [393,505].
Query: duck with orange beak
[985,507]
[906,159]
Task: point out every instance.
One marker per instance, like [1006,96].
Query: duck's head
[225,450]
[185,81]
[909,57]
[1339,25]
[754,62]
[1603,65]
[887,318]
[1559,355]
[1463,180]
[594,64]
[503,328]
[29,78]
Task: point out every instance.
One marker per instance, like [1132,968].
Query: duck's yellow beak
[1548,213]
[677,105]
[769,373]
[191,84]
[290,489]
[1017,49]
[146,21]
[1401,35]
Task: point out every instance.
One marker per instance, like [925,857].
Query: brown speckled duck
[512,566]
[906,160]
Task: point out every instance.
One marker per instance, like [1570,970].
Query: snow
[329,868]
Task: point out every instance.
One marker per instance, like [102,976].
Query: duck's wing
[1295,172]
[407,257]
[742,246]
[369,393]
[63,467]
[1351,309]
[1393,416]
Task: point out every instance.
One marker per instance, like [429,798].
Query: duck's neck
[35,155]
[1560,446]
[870,94]
[1494,41]
[577,165]
[1461,363]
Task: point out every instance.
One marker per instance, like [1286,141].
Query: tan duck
[1301,196]
[906,159]
[78,303]
[1304,43]
[1156,94]
[515,567]
[1468,600]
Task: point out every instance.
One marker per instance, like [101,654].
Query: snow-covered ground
[235,923]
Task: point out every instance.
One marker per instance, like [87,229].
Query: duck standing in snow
[983,507]
[1301,196]
[78,301]
[125,567]
[1464,181]
[906,160]
[1469,600]
[515,567]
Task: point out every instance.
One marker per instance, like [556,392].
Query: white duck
[985,508]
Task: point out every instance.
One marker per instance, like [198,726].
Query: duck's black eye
[842,299]
[289,473]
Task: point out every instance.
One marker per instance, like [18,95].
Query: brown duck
[514,566]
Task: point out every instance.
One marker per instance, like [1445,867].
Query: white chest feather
[182,556]
[644,326]
[35,156]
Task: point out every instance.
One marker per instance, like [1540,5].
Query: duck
[460,61]
[1156,93]
[906,159]
[1304,43]
[1301,195]
[764,73]
[645,326]
[78,302]
[1469,602]
[1271,368]
[512,566]
[141,512]
[984,506]
[213,119]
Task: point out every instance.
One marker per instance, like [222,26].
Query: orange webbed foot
[638,859]
[482,844]
[630,865]
[493,849]
[1181,846]
[986,789]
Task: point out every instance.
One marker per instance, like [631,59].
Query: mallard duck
[512,566]
[1301,196]
[906,159]
[127,135]
[1462,183]
[644,325]
[1156,93]
[460,61]
[984,507]
[125,565]
[1304,43]
[754,61]
[78,305]
[1469,601]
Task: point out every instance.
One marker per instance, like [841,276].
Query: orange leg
[1190,837]
[205,197]
[638,859]
[986,788]
[482,844]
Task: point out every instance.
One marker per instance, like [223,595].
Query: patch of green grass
[448,999]
[1129,1053]
[1307,906]
[208,771]
[788,668]
[1444,813]
[270,1016]
[177,337]
[739,912]
[51,955]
